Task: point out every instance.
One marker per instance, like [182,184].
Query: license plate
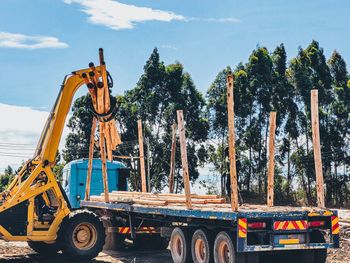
[291,239]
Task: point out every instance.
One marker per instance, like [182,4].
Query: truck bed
[221,211]
[281,224]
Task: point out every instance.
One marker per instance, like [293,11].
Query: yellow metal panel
[289,241]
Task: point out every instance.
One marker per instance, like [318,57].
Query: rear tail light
[316,224]
[257,225]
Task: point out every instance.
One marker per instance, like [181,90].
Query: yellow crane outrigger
[34,207]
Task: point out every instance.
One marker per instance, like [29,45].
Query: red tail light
[315,224]
[256,225]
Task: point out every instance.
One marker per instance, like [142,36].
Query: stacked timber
[158,199]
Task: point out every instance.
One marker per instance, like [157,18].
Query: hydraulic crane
[34,207]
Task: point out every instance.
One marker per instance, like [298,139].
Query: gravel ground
[19,252]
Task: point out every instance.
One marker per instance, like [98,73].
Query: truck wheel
[224,250]
[44,248]
[201,246]
[83,235]
[180,246]
[320,255]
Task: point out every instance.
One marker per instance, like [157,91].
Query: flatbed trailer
[210,232]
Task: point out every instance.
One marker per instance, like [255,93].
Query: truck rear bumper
[287,247]
[314,231]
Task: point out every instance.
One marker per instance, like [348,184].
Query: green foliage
[160,91]
[78,140]
[6,178]
[267,82]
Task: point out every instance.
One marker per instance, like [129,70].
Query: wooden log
[107,102]
[183,148]
[142,158]
[91,155]
[194,196]
[172,159]
[109,141]
[116,140]
[176,200]
[135,201]
[271,164]
[92,90]
[231,142]
[104,162]
[172,199]
[317,148]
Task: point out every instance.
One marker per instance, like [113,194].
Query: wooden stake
[172,159]
[108,141]
[317,148]
[104,162]
[271,165]
[107,103]
[91,155]
[186,177]
[231,142]
[142,158]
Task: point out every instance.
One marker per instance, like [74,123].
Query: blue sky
[212,34]
[42,40]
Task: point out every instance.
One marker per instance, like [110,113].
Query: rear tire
[83,235]
[202,246]
[43,248]
[180,246]
[224,249]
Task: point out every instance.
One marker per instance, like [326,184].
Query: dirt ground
[19,252]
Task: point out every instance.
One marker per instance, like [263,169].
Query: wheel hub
[200,251]
[84,236]
[224,252]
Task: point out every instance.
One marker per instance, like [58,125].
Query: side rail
[311,231]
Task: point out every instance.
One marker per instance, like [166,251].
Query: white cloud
[20,130]
[116,15]
[216,20]
[169,47]
[11,40]
[223,20]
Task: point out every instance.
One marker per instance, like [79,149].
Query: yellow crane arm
[51,135]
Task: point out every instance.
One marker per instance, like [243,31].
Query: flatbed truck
[216,234]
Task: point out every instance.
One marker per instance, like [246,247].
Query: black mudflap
[14,219]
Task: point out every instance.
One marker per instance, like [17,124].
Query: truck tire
[83,235]
[224,249]
[202,246]
[180,245]
[43,248]
[320,255]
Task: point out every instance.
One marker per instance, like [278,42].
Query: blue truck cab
[75,174]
